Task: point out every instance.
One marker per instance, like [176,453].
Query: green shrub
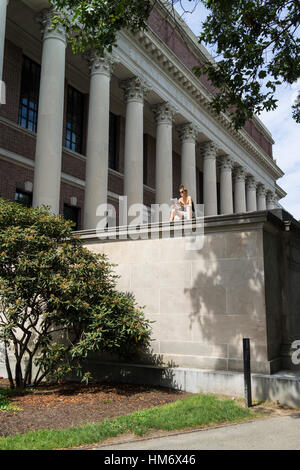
[52,287]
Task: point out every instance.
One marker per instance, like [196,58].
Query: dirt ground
[73,404]
[63,406]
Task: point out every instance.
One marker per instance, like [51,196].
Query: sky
[285,131]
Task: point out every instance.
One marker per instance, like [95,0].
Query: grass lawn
[194,411]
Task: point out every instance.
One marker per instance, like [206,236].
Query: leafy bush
[58,299]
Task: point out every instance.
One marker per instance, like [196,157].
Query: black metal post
[247,372]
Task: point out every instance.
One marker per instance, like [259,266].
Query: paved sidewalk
[263,434]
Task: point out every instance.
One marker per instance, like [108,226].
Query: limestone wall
[203,302]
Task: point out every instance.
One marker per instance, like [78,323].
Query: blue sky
[285,131]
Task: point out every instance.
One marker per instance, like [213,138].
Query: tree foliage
[58,300]
[258,47]
[256,41]
[94,24]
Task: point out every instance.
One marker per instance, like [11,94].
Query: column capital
[261,190]
[134,89]
[225,162]
[44,18]
[99,64]
[209,150]
[251,182]
[164,113]
[239,174]
[271,196]
[271,199]
[188,132]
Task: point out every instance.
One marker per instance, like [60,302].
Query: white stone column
[134,92]
[47,172]
[261,197]
[226,195]
[164,158]
[96,180]
[209,152]
[271,200]
[188,135]
[3,8]
[251,194]
[239,190]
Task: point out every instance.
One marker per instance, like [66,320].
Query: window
[201,199]
[72,213]
[113,128]
[145,164]
[74,124]
[24,198]
[29,96]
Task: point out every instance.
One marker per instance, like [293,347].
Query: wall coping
[276,219]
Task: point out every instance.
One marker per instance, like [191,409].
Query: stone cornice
[167,60]
[280,192]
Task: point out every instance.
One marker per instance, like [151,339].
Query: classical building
[79,131]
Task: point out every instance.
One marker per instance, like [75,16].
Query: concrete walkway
[263,434]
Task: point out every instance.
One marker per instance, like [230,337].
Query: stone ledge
[210,224]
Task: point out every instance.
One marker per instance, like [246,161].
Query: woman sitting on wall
[184,208]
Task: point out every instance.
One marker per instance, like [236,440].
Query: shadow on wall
[284,391]
[145,369]
[227,300]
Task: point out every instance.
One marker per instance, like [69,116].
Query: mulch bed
[73,404]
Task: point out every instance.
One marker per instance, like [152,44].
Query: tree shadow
[226,300]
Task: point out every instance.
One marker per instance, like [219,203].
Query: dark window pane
[30,126]
[29,95]
[145,164]
[74,123]
[201,199]
[112,160]
[72,213]
[23,198]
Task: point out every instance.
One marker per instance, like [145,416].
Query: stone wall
[204,302]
